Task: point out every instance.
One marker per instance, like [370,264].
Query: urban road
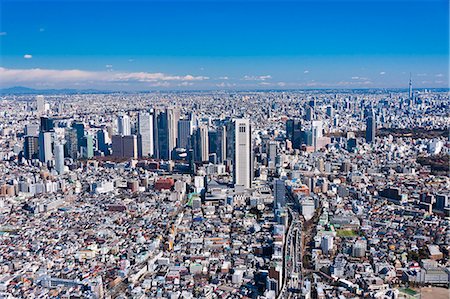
[293,249]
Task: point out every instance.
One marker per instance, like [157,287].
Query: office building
[200,144]
[145,134]
[125,146]
[45,146]
[123,125]
[166,132]
[239,151]
[370,128]
[31,147]
[40,104]
[103,141]
[185,130]
[59,158]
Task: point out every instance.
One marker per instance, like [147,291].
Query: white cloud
[108,66]
[257,78]
[224,78]
[36,76]
[305,72]
[422,75]
[281,84]
[382,73]
[439,75]
[27,56]
[359,78]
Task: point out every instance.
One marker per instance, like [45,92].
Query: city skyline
[151,45]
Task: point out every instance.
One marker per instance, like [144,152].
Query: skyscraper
[123,125]
[201,144]
[40,104]
[221,144]
[145,134]
[316,130]
[103,141]
[173,115]
[280,193]
[117,146]
[45,146]
[410,89]
[46,124]
[87,146]
[72,143]
[166,132]
[294,132]
[239,150]
[31,147]
[185,130]
[371,127]
[59,158]
[124,146]
[271,152]
[130,146]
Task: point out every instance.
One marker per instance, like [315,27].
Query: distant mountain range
[26,90]
[21,90]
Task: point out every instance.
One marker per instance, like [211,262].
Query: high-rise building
[185,130]
[47,124]
[173,115]
[309,113]
[79,129]
[145,134]
[117,146]
[59,158]
[280,193]
[316,130]
[371,127]
[45,146]
[294,133]
[72,143]
[40,104]
[103,141]
[87,147]
[124,146]
[271,152]
[201,144]
[31,147]
[239,151]
[410,89]
[221,144]
[130,146]
[330,112]
[32,130]
[123,125]
[166,132]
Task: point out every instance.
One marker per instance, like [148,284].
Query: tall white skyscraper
[145,137]
[123,125]
[239,150]
[40,104]
[45,146]
[173,115]
[59,158]
[316,129]
[410,88]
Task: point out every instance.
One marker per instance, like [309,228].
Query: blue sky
[140,45]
